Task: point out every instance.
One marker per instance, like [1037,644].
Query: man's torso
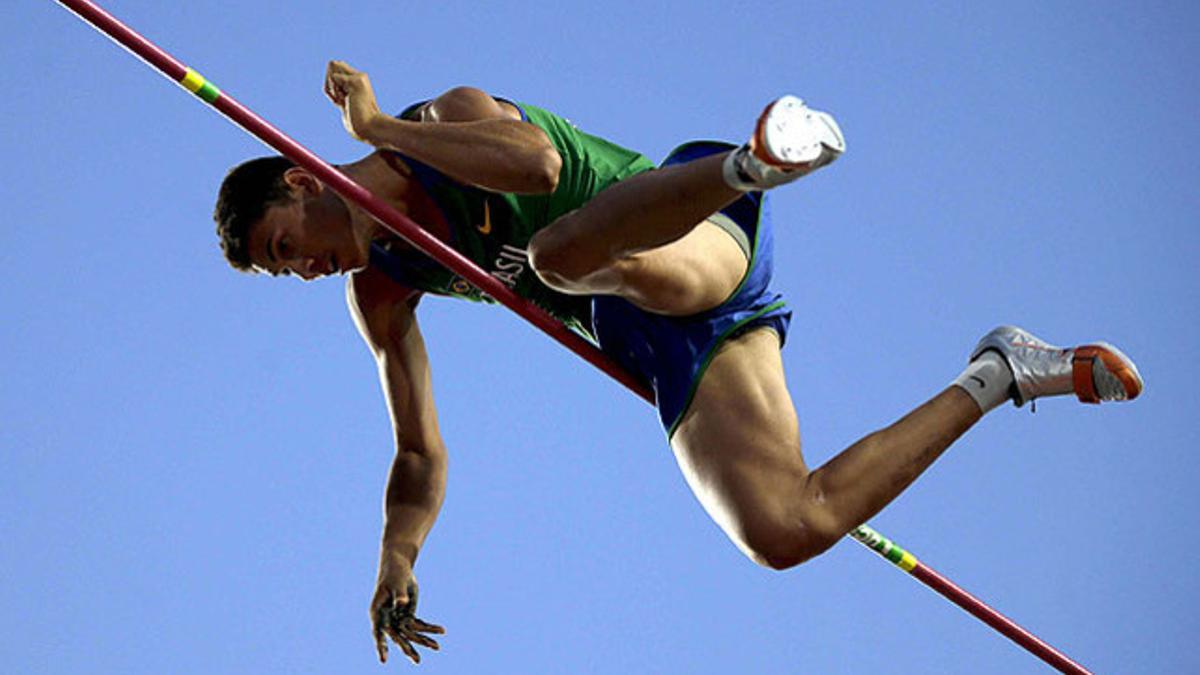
[493,229]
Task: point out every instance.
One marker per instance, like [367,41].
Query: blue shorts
[671,353]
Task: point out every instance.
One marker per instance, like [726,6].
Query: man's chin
[351,271]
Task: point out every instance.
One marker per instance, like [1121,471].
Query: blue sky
[192,460]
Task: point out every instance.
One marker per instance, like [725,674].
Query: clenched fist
[350,90]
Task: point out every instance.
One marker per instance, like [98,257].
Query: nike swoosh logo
[982,384]
[486,227]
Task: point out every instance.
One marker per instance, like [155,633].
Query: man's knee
[550,257]
[562,262]
[780,545]
[548,261]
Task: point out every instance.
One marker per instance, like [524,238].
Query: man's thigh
[692,274]
[738,444]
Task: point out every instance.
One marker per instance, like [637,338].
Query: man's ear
[301,182]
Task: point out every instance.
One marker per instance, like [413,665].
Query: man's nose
[306,268]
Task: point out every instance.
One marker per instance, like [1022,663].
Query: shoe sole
[790,136]
[1101,372]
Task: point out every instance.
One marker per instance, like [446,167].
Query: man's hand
[394,607]
[350,90]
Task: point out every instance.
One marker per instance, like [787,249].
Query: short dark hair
[248,189]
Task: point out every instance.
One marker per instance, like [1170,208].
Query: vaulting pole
[971,604]
[405,228]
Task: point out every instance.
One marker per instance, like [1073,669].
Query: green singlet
[493,229]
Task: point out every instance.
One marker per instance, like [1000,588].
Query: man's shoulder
[371,289]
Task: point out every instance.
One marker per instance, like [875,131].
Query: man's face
[310,235]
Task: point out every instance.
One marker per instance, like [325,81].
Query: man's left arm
[474,138]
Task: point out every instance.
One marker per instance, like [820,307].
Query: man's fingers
[337,89]
[338,82]
[390,621]
[334,94]
[404,645]
[381,649]
[329,88]
[342,68]
[380,638]
[422,640]
[427,627]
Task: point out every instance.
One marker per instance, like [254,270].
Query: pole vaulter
[405,228]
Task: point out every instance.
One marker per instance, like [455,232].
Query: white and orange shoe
[790,140]
[1094,372]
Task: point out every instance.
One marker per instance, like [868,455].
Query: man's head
[273,216]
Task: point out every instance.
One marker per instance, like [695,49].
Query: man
[667,268]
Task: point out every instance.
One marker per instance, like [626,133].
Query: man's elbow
[429,451]
[548,166]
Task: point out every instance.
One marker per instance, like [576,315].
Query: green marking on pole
[198,85]
[208,92]
[884,547]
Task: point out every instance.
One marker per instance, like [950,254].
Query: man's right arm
[464,133]
[384,314]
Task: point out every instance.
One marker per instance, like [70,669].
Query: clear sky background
[192,460]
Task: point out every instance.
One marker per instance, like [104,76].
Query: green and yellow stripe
[885,547]
[195,83]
